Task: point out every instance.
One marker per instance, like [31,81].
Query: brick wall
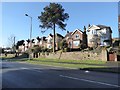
[75,56]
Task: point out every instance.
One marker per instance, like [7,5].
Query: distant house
[43,42]
[99,35]
[21,48]
[38,41]
[49,41]
[75,38]
[58,38]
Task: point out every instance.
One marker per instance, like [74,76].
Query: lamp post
[30,33]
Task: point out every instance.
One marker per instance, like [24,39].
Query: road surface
[23,75]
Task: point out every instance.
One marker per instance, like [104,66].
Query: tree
[28,41]
[53,15]
[63,44]
[19,43]
[38,38]
[11,42]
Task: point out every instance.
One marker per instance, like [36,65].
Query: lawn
[95,65]
[68,63]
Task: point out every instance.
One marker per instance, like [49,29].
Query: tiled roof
[103,26]
[59,35]
[51,35]
[43,38]
[68,34]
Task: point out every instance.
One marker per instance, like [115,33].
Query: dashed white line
[86,80]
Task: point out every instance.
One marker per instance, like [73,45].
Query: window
[77,36]
[76,43]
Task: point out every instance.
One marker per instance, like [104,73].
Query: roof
[103,26]
[59,35]
[43,38]
[68,34]
[51,35]
[77,30]
[99,27]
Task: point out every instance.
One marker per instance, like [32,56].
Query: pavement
[23,75]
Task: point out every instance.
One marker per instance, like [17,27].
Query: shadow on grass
[104,69]
[21,57]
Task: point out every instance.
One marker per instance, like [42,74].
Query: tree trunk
[54,39]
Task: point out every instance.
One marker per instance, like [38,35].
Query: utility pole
[14,48]
[30,34]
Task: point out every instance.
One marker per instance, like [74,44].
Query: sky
[15,23]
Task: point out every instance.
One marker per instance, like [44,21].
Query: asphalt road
[22,75]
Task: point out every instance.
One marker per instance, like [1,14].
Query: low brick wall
[74,56]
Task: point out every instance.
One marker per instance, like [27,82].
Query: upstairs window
[77,36]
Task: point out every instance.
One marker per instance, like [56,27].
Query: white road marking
[36,70]
[32,69]
[86,80]
[23,68]
[87,71]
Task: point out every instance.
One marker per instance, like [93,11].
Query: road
[23,75]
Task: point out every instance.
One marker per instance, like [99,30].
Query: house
[43,42]
[99,35]
[58,38]
[76,38]
[38,41]
[49,41]
[21,48]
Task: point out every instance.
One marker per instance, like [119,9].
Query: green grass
[68,63]
[72,61]
[96,65]
[63,64]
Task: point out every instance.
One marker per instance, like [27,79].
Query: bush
[50,50]
[66,49]
[90,48]
[47,53]
[43,53]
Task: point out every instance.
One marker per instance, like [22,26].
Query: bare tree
[11,41]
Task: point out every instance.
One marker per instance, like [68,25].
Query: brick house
[75,38]
[58,38]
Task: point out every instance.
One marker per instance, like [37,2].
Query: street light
[30,33]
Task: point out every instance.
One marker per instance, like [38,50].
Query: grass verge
[93,65]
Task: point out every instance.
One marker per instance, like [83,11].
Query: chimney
[84,29]
[67,31]
[89,26]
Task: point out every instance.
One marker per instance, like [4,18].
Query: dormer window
[77,36]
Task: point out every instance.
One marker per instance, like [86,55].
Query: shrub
[43,53]
[66,49]
[47,53]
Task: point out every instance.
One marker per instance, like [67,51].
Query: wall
[75,56]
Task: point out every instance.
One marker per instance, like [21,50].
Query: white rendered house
[99,35]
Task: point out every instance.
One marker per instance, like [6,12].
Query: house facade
[99,35]
[49,41]
[75,38]
[58,38]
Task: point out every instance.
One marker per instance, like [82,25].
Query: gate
[111,56]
